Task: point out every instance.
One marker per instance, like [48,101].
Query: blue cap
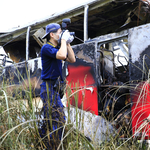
[51,28]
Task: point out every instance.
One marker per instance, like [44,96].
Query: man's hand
[65,35]
[70,39]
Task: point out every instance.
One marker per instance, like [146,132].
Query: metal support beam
[27,43]
[86,8]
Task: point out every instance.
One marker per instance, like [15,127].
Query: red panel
[80,74]
[79,77]
[141,110]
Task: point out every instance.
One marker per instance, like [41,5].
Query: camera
[65,23]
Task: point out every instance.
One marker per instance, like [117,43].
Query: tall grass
[19,123]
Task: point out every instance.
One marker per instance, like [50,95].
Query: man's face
[57,35]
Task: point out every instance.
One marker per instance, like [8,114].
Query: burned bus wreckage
[112,48]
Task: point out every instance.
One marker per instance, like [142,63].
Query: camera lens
[72,33]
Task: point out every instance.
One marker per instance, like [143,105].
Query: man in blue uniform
[52,56]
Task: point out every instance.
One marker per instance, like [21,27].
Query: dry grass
[19,127]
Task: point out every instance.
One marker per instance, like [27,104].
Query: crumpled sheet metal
[96,128]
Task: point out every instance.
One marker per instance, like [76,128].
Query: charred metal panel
[20,73]
[139,46]
[87,52]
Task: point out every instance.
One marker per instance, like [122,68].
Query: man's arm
[62,52]
[70,56]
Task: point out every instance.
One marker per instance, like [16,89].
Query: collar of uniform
[51,44]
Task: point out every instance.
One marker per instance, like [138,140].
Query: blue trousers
[53,116]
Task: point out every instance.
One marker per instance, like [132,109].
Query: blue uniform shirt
[51,67]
